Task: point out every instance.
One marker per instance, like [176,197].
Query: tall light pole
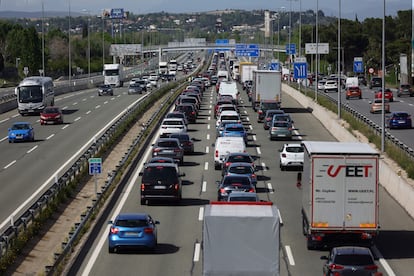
[290,27]
[339,61]
[70,54]
[300,28]
[317,50]
[383,83]
[43,40]
[89,44]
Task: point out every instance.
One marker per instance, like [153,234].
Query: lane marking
[10,164]
[4,120]
[77,119]
[3,139]
[206,166]
[258,150]
[50,136]
[87,112]
[254,138]
[32,149]
[208,136]
[383,262]
[270,188]
[289,255]
[75,103]
[264,168]
[201,213]
[280,217]
[98,106]
[204,187]
[65,126]
[16,115]
[208,126]
[197,250]
[207,149]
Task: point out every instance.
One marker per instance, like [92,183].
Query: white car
[291,155]
[172,125]
[330,86]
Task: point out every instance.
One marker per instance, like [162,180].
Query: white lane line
[84,99]
[208,118]
[106,102]
[270,188]
[207,149]
[32,149]
[77,119]
[258,150]
[208,126]
[50,136]
[248,119]
[250,126]
[4,120]
[98,106]
[280,217]
[65,126]
[75,103]
[197,250]
[206,166]
[208,137]
[289,255]
[383,262]
[201,213]
[10,164]
[254,138]
[204,187]
[65,107]
[264,168]
[16,115]
[209,112]
[87,112]
[3,139]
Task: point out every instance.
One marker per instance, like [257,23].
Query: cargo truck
[246,71]
[114,74]
[267,87]
[241,238]
[340,194]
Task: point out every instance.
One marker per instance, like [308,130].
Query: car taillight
[176,186]
[114,230]
[268,119]
[222,191]
[284,155]
[148,230]
[177,150]
[156,150]
[371,267]
[260,112]
[274,128]
[335,267]
[142,187]
[216,154]
[251,190]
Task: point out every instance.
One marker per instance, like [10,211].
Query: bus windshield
[30,94]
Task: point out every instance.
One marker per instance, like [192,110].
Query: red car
[387,95]
[51,114]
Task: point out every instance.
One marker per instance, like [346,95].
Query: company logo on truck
[350,170]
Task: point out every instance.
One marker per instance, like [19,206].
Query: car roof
[346,250]
[132,216]
[228,112]
[166,139]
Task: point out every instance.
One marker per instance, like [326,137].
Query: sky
[349,8]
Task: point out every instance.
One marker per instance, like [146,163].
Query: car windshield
[50,110]
[20,126]
[131,223]
[281,124]
[234,128]
[353,259]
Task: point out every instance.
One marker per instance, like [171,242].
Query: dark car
[135,88]
[362,80]
[168,147]
[160,182]
[186,142]
[242,168]
[105,89]
[230,183]
[161,160]
[375,82]
[21,131]
[236,157]
[264,106]
[132,230]
[405,89]
[398,119]
[267,121]
[350,260]
[51,114]
[189,110]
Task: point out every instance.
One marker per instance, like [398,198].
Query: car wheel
[143,201]
[111,250]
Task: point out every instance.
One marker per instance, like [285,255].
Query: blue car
[132,230]
[21,131]
[235,130]
[399,119]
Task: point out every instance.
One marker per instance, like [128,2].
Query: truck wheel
[143,201]
[310,245]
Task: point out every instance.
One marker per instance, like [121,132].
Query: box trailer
[230,248]
[267,86]
[340,193]
[246,71]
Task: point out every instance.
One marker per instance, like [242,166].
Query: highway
[180,232]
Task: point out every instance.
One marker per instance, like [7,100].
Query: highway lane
[180,231]
[24,167]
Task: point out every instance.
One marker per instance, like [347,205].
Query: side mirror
[141,173]
[110,222]
[156,222]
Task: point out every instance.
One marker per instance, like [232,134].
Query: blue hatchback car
[132,230]
[399,119]
[235,130]
[21,131]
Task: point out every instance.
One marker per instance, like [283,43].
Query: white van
[226,145]
[229,88]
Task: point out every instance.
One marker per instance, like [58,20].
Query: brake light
[260,112]
[371,267]
[251,190]
[148,230]
[335,267]
[284,155]
[216,154]
[114,230]
[177,150]
[227,164]
[222,191]
[142,187]
[156,150]
[176,186]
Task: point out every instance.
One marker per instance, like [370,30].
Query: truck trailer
[267,86]
[241,238]
[114,74]
[340,194]
[246,71]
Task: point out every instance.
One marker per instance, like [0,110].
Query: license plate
[168,151]
[131,234]
[159,187]
[401,122]
[31,110]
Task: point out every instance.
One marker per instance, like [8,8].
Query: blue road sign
[222,41]
[95,166]
[274,66]
[358,66]
[247,50]
[117,13]
[291,49]
[300,70]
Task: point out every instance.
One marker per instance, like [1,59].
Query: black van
[161,181]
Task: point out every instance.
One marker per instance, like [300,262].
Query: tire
[111,250]
[143,201]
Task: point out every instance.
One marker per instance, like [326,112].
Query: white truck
[114,74]
[340,193]
[241,238]
[267,86]
[246,69]
[163,68]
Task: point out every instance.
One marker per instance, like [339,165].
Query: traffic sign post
[247,50]
[358,65]
[95,168]
[291,49]
[275,66]
[300,70]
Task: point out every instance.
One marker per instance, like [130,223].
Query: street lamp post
[317,51]
[383,83]
[43,40]
[70,58]
[89,45]
[339,61]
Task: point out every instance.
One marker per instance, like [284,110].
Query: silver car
[281,130]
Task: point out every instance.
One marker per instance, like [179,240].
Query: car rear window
[131,223]
[239,158]
[159,173]
[242,198]
[354,259]
[241,169]
[236,181]
[294,149]
[280,124]
[401,115]
[229,117]
[234,128]
[167,144]
[173,123]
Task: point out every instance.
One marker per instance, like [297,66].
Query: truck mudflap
[322,239]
